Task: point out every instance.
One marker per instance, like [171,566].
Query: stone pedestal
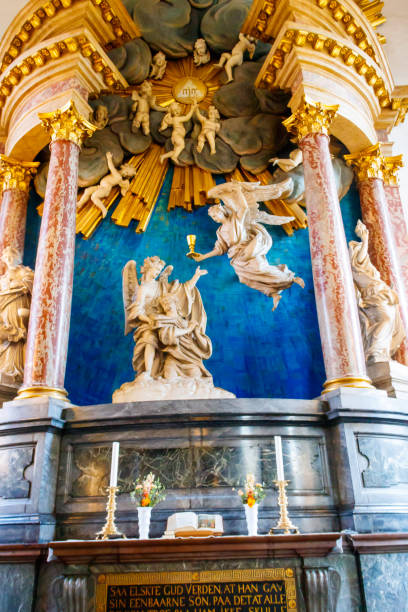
[391,376]
[8,388]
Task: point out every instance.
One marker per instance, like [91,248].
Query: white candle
[114,465]
[279,457]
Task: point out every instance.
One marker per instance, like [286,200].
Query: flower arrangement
[148,492]
[253,492]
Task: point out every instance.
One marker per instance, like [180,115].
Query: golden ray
[189,187]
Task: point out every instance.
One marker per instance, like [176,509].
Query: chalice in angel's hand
[191,241]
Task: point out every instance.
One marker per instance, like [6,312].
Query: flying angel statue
[243,237]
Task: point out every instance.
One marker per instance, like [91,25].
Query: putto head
[127,171]
[11,256]
[152,266]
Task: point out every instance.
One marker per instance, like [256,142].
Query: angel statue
[143,101]
[236,57]
[158,66]
[245,239]
[170,340]
[174,118]
[16,286]
[378,305]
[97,193]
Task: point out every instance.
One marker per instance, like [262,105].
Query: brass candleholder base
[284,525]
[109,531]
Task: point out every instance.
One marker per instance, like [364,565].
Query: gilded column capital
[310,118]
[391,168]
[368,163]
[67,123]
[16,174]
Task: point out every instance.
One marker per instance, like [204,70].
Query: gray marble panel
[385,581]
[349,597]
[17,587]
[387,460]
[14,460]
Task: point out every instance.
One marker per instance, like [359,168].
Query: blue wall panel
[256,352]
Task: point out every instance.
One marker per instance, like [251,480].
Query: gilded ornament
[310,118]
[66,123]
[15,174]
[368,163]
[391,168]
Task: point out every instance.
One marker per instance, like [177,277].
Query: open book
[190,524]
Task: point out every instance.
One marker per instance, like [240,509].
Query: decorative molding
[372,10]
[49,10]
[257,20]
[67,124]
[368,163]
[336,49]
[16,174]
[378,543]
[54,51]
[391,168]
[310,118]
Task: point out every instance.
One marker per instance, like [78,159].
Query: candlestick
[284,523]
[109,530]
[279,458]
[114,465]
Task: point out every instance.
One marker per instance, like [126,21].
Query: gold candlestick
[109,530]
[191,241]
[284,523]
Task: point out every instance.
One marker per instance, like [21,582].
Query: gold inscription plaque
[189,89]
[247,590]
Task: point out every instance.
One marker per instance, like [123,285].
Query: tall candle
[114,465]
[279,457]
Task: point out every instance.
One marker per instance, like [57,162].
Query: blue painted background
[256,352]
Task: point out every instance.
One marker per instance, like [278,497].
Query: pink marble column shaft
[47,341]
[386,231]
[13,214]
[339,324]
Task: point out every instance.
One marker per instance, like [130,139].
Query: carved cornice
[15,174]
[367,164]
[372,10]
[67,124]
[328,45]
[391,168]
[48,11]
[54,51]
[310,119]
[258,17]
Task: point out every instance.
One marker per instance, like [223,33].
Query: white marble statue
[378,304]
[288,164]
[16,286]
[170,340]
[158,66]
[173,118]
[236,57]
[101,116]
[245,239]
[97,193]
[143,102]
[209,127]
[201,54]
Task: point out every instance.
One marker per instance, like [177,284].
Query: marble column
[385,227]
[47,341]
[337,312]
[15,176]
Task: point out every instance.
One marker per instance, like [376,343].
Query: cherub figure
[236,57]
[101,116]
[245,239]
[209,128]
[201,54]
[97,193]
[143,101]
[158,66]
[176,120]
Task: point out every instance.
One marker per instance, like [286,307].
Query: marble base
[390,376]
[144,389]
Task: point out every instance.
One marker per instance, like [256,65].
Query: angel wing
[264,217]
[255,192]
[130,285]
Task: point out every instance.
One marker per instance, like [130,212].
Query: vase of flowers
[146,494]
[251,494]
